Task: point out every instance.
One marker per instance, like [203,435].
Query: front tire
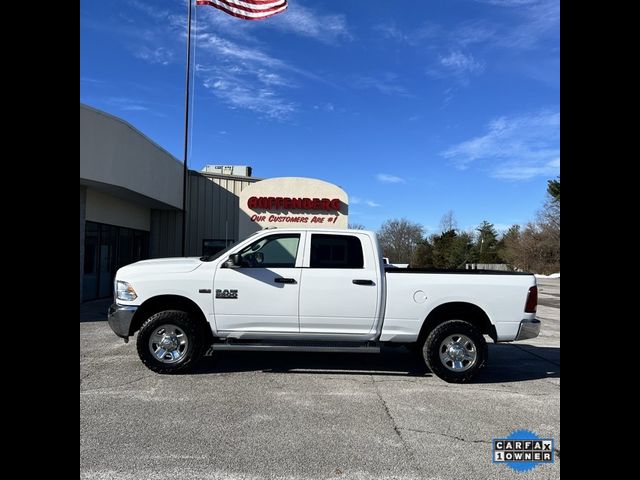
[169,342]
[455,350]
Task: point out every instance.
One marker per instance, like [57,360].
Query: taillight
[532,300]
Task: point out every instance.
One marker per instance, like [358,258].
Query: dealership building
[131,202]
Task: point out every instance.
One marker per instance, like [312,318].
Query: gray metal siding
[212,213]
[166,235]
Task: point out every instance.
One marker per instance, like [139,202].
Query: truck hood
[161,265]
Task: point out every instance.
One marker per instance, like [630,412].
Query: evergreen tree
[451,249]
[486,246]
[553,189]
[423,256]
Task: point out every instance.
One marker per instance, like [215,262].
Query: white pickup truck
[317,290]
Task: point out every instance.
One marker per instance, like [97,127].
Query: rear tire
[455,350]
[169,342]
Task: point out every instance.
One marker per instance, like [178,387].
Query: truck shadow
[507,363]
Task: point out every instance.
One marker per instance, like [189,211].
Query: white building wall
[114,153]
[104,208]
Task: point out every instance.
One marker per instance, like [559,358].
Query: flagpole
[185,171]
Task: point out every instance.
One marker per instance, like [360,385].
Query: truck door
[262,294]
[339,287]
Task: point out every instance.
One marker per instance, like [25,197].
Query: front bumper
[120,317]
[528,329]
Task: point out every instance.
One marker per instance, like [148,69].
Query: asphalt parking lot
[245,415]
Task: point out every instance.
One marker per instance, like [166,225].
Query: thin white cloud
[533,22]
[247,77]
[234,51]
[93,81]
[311,23]
[327,107]
[360,201]
[385,178]
[438,38]
[447,96]
[391,31]
[231,62]
[473,32]
[151,10]
[386,83]
[509,3]
[414,37]
[456,64]
[522,25]
[459,63]
[514,148]
[240,87]
[541,21]
[517,171]
[160,55]
[273,79]
[128,104]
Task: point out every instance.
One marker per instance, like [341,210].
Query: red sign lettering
[287,203]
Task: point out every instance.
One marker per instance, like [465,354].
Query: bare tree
[536,247]
[399,238]
[533,249]
[357,226]
[448,222]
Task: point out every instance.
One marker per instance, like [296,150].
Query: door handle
[285,280]
[363,282]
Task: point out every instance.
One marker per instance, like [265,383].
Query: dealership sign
[292,201]
[287,203]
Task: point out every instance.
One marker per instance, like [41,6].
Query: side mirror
[233,261]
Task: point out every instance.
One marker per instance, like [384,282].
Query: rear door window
[336,251]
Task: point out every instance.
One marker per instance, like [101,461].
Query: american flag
[248,9]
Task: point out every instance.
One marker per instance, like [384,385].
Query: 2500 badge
[226,293]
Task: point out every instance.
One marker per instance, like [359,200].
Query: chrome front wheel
[168,343]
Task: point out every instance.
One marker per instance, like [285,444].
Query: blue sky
[413,107]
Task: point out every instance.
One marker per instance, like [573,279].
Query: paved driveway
[245,415]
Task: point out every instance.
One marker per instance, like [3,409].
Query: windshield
[210,258]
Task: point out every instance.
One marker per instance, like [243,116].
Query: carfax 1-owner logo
[523,450]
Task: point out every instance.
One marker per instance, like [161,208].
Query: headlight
[124,291]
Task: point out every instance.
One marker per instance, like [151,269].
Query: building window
[213,246]
[106,249]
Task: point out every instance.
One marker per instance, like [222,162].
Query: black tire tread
[180,319]
[432,344]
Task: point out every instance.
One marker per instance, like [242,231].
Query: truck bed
[457,271]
